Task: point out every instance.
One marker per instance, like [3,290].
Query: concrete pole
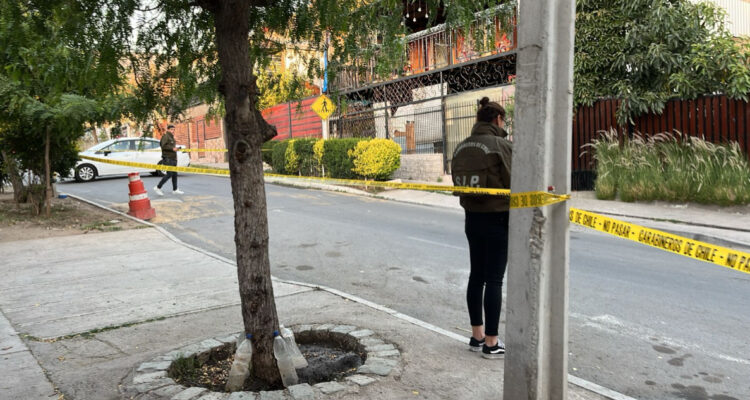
[536,363]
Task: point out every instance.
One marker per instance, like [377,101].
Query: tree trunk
[11,167]
[246,131]
[96,134]
[47,180]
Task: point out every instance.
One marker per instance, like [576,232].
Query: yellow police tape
[200,150]
[517,200]
[695,249]
[215,171]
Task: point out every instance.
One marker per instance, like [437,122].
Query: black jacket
[167,146]
[483,160]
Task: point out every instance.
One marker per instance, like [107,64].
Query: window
[122,145]
[148,145]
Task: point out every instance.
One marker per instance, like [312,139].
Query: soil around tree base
[68,217]
[328,360]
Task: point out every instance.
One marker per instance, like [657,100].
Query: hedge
[336,158]
[267,151]
[306,163]
[278,157]
[376,159]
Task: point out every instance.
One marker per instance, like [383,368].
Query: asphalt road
[645,323]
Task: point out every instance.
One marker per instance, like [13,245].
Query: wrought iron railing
[429,50]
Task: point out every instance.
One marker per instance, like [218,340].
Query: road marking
[606,392]
[611,324]
[437,243]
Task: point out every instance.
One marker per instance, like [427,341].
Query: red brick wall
[181,134]
[213,129]
[207,133]
[201,133]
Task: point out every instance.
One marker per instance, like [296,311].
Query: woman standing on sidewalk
[483,160]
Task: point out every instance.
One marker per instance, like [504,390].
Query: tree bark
[95,133]
[11,167]
[246,131]
[47,180]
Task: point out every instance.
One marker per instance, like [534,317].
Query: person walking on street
[484,160]
[168,157]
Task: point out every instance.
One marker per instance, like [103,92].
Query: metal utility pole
[536,363]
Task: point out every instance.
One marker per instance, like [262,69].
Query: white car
[140,150]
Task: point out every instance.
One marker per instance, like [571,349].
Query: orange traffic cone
[140,205]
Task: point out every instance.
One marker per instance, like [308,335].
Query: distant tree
[276,88]
[61,62]
[646,52]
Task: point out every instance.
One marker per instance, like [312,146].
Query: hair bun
[485,100]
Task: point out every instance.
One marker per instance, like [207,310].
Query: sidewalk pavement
[95,306]
[89,308]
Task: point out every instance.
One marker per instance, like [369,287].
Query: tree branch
[211,6]
[261,3]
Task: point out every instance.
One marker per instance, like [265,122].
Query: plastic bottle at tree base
[284,360]
[297,358]
[241,365]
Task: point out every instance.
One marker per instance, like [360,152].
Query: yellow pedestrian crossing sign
[323,106]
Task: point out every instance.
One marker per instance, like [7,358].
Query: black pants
[170,174]
[488,251]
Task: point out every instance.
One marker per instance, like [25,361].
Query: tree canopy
[646,52]
[61,70]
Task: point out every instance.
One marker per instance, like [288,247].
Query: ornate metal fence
[431,126]
[430,50]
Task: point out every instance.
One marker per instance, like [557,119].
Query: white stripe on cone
[134,177]
[136,197]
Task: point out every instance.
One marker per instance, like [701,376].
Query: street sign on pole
[323,106]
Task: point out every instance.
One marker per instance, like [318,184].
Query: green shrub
[376,158]
[336,159]
[267,151]
[606,154]
[278,157]
[318,149]
[720,173]
[671,168]
[307,165]
[291,161]
[184,368]
[640,170]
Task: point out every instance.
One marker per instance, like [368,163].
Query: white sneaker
[178,191]
[158,191]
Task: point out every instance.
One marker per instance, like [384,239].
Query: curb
[590,386]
